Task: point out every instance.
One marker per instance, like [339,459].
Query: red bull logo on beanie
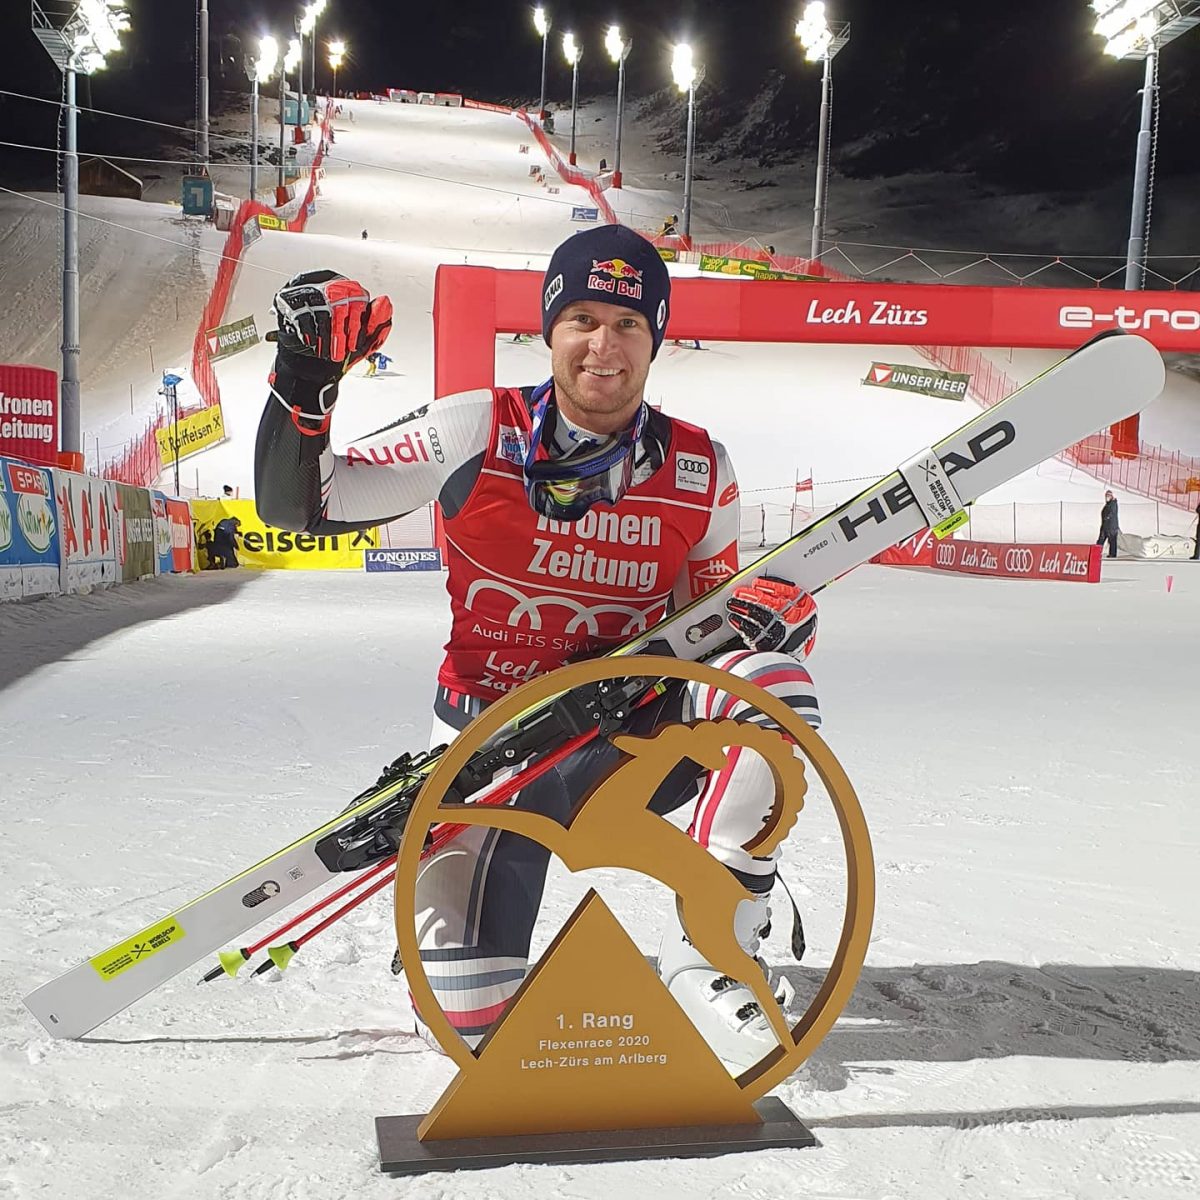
[624,279]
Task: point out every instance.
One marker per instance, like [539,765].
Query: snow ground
[1027,1021]
[1026,1024]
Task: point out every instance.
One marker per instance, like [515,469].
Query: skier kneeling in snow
[575,499]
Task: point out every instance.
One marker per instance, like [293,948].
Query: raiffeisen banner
[264,546]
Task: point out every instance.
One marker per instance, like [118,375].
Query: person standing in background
[1196,542]
[1110,524]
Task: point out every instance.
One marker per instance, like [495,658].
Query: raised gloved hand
[770,613]
[327,323]
[331,319]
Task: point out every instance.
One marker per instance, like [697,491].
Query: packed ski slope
[1027,1022]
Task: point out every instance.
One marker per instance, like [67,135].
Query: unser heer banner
[28,532]
[29,413]
[925,381]
[264,546]
[136,538]
[1071,564]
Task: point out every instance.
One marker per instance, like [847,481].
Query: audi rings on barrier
[1019,560]
[947,554]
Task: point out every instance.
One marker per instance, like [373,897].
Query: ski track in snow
[1027,1022]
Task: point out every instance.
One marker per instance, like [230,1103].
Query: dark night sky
[1017,91]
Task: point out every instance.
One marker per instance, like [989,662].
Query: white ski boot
[723,1010]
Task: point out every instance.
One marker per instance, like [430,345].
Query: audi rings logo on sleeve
[1018,560]
[947,554]
[435,444]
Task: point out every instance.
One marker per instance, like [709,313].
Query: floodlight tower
[291,60]
[541,22]
[260,70]
[821,41]
[337,52]
[79,46]
[317,7]
[573,53]
[688,78]
[1140,29]
[618,50]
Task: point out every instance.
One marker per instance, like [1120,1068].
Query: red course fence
[141,464]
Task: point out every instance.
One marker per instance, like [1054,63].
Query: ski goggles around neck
[566,488]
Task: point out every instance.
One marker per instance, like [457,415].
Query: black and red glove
[331,318]
[327,323]
[770,613]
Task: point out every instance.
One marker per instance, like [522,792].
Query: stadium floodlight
[337,52]
[541,22]
[268,58]
[821,41]
[688,78]
[1140,29]
[260,70]
[291,60]
[573,53]
[308,28]
[78,45]
[618,50]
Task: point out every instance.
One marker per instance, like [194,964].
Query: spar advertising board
[86,508]
[29,545]
[29,413]
[164,557]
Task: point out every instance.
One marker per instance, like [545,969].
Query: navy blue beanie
[612,265]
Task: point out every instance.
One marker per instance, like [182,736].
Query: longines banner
[1072,564]
[29,413]
[263,546]
[946,385]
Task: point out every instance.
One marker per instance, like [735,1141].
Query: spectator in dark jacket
[224,544]
[1110,524]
